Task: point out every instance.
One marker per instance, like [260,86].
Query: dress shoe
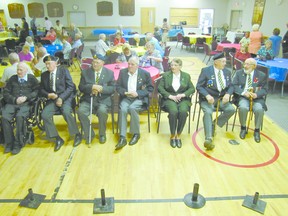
[257,136]
[121,143]
[58,143]
[8,149]
[134,139]
[16,150]
[208,144]
[102,139]
[173,143]
[178,143]
[77,139]
[243,133]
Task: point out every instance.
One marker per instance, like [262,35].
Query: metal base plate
[32,201]
[100,209]
[259,207]
[194,204]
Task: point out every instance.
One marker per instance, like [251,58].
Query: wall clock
[75,7]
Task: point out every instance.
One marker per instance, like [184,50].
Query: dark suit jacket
[144,84]
[106,80]
[65,88]
[165,87]
[14,89]
[207,83]
[259,84]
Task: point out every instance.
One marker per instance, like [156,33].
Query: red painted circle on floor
[272,160]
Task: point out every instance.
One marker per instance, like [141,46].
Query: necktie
[97,77]
[249,81]
[51,82]
[21,81]
[220,80]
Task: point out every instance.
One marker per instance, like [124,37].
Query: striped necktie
[97,77]
[51,83]
[220,80]
[249,81]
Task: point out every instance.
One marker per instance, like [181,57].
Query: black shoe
[121,143]
[16,150]
[8,149]
[77,139]
[257,136]
[102,139]
[208,144]
[134,139]
[178,143]
[243,133]
[173,143]
[58,143]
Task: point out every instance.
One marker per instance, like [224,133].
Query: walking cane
[250,109]
[90,123]
[216,119]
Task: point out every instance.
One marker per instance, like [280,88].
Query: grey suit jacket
[207,83]
[259,84]
[144,84]
[106,80]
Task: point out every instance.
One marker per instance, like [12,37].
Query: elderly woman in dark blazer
[175,88]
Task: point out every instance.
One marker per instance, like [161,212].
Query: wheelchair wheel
[30,138]
[38,111]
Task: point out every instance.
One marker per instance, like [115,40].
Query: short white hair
[255,27]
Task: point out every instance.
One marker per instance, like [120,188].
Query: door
[147,20]
[2,18]
[236,20]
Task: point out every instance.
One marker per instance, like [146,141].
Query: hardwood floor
[150,178]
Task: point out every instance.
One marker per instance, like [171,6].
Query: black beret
[50,58]
[97,56]
[219,56]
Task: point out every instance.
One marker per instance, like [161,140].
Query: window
[16,10]
[36,10]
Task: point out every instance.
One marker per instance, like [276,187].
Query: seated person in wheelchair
[250,87]
[97,85]
[59,90]
[176,88]
[134,85]
[215,87]
[20,92]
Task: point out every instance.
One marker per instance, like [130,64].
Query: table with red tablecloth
[154,72]
[221,46]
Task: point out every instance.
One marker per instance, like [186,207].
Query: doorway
[147,20]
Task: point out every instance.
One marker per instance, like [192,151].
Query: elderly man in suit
[134,86]
[57,86]
[97,82]
[20,92]
[250,85]
[214,83]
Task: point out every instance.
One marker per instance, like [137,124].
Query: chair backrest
[85,66]
[285,55]
[132,41]
[10,44]
[231,55]
[165,63]
[111,38]
[200,40]
[238,64]
[167,51]
[206,48]
[263,69]
[214,45]
[179,37]
[186,40]
[113,57]
[60,55]
[93,52]
[79,51]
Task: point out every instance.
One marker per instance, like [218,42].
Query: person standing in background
[256,38]
[276,41]
[285,42]
[165,30]
[33,26]
[58,27]
[48,24]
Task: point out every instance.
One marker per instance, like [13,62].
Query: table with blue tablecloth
[109,31]
[51,49]
[174,32]
[278,68]
[126,37]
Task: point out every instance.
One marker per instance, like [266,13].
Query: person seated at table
[25,54]
[276,41]
[39,66]
[118,40]
[12,69]
[151,57]
[101,47]
[73,31]
[51,35]
[35,52]
[157,33]
[77,42]
[126,54]
[66,48]
[29,41]
[244,81]
[97,82]
[149,37]
[242,54]
[176,88]
[266,52]
[245,41]
[134,85]
[12,33]
[19,94]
